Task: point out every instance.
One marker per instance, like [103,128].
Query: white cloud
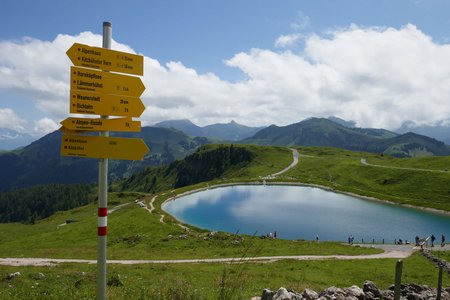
[9,119]
[386,75]
[378,77]
[287,40]
[44,126]
[39,69]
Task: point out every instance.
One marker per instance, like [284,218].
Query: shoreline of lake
[326,188]
[361,235]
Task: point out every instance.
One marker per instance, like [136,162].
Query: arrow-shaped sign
[105,83]
[106,105]
[106,59]
[103,147]
[90,124]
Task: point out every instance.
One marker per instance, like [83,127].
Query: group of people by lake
[422,242]
[419,242]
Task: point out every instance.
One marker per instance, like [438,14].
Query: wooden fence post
[398,279]
[439,288]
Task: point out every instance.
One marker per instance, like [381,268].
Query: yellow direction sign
[106,105]
[90,124]
[103,147]
[105,83]
[106,59]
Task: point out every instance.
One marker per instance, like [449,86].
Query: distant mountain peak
[231,131]
[438,130]
[325,132]
[349,124]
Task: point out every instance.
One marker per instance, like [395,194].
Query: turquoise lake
[299,212]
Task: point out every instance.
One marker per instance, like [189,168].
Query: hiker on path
[433,238]
[442,240]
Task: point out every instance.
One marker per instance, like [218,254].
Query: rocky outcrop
[369,292]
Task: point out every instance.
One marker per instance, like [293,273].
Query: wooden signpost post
[95,90]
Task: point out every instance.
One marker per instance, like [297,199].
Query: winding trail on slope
[152,207]
[295,156]
[364,162]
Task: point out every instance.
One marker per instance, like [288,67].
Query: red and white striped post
[103,196]
[102,221]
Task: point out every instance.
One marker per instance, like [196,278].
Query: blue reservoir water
[298,212]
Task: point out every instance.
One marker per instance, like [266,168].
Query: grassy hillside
[335,168]
[212,162]
[134,233]
[439,163]
[342,170]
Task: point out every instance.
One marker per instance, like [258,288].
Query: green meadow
[342,170]
[210,281]
[135,233]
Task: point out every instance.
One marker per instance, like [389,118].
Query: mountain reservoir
[301,212]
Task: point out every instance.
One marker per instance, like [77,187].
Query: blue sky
[201,34]
[256,62]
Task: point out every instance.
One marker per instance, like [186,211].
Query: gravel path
[152,207]
[364,162]
[295,156]
[393,253]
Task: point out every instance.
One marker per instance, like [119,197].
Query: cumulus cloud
[44,126]
[378,77]
[287,40]
[39,69]
[9,119]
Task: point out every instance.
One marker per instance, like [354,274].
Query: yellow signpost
[105,83]
[106,94]
[106,59]
[103,147]
[106,105]
[98,124]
